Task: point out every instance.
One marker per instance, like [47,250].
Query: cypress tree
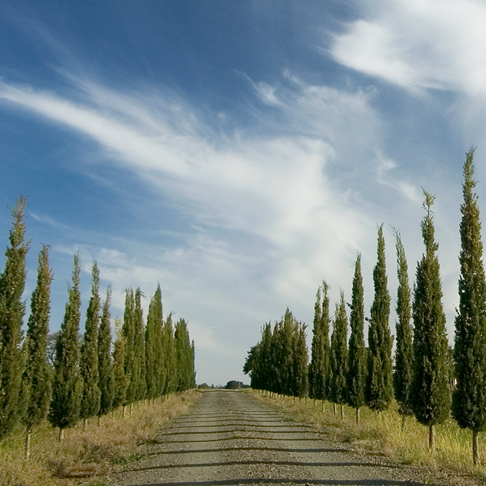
[12,310]
[431,396]
[128,331]
[106,382]
[339,355]
[68,383]
[402,377]
[154,347]
[171,356]
[357,357]
[379,384]
[319,367]
[90,404]
[300,369]
[37,376]
[469,399]
[184,356]
[139,351]
[121,379]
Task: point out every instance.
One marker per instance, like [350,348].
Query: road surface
[231,438]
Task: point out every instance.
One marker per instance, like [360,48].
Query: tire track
[230,438]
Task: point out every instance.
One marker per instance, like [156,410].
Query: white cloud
[269,221]
[419,44]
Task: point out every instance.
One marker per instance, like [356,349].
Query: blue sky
[238,152]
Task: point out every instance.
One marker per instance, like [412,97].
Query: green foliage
[90,404]
[402,378]
[469,404]
[121,379]
[68,383]
[106,382]
[357,350]
[37,376]
[339,355]
[431,396]
[139,328]
[156,368]
[128,331]
[185,357]
[12,310]
[170,356]
[319,367]
[379,384]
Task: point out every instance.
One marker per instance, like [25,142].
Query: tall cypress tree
[469,400]
[139,351]
[184,356]
[12,310]
[379,384]
[357,350]
[106,382]
[130,360]
[68,383]
[171,356]
[300,369]
[37,376]
[90,404]
[402,377]
[319,367]
[121,379]
[339,355]
[431,396]
[154,347]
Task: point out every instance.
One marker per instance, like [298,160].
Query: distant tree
[339,355]
[140,370]
[402,377]
[300,370]
[12,310]
[469,400]
[37,375]
[68,383]
[319,366]
[185,371]
[130,359]
[431,395]
[171,356]
[379,385]
[90,403]
[121,379]
[156,376]
[357,349]
[106,382]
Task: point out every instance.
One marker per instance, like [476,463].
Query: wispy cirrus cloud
[274,209]
[418,44]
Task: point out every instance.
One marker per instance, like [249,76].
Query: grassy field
[383,434]
[85,455]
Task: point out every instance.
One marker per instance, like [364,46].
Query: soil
[231,438]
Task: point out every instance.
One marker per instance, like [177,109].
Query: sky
[238,152]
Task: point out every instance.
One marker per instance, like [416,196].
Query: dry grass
[86,454]
[383,434]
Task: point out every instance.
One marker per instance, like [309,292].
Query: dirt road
[230,438]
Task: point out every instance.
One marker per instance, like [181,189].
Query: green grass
[86,455]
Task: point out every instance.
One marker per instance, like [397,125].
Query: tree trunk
[431,436]
[123,411]
[342,412]
[27,443]
[357,415]
[475,446]
[61,434]
[99,420]
[335,410]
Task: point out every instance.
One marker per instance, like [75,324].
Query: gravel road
[230,438]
